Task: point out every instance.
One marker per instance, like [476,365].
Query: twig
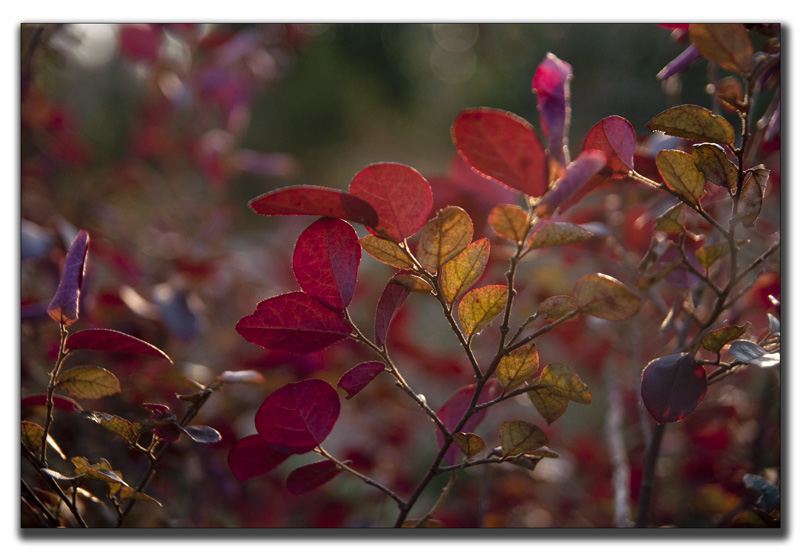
[51,387]
[345,467]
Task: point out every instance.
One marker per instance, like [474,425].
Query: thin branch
[51,387]
[345,467]
[439,501]
[38,465]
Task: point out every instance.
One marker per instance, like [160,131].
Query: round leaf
[693,123]
[509,221]
[714,164]
[304,479]
[461,273]
[673,386]
[558,233]
[681,175]
[89,381]
[518,366]
[386,251]
[443,237]
[518,437]
[251,457]
[615,137]
[480,306]
[469,443]
[316,201]
[725,43]
[604,297]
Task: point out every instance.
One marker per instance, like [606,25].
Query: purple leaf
[112,341]
[64,306]
[316,201]
[578,173]
[360,376]
[551,84]
[304,479]
[678,65]
[293,322]
[673,386]
[251,457]
[298,417]
[391,299]
[326,260]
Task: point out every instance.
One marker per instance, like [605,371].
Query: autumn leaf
[509,221]
[316,201]
[556,234]
[518,366]
[386,251]
[673,386]
[480,306]
[469,443]
[616,138]
[681,175]
[65,304]
[443,237]
[308,477]
[518,437]
[555,388]
[693,123]
[604,297]
[551,86]
[112,341]
[360,376]
[727,44]
[714,341]
[89,381]
[462,272]
[251,457]
[713,162]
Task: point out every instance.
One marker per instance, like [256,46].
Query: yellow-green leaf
[32,438]
[714,341]
[126,492]
[115,424]
[752,197]
[443,237]
[555,307]
[412,283]
[681,175]
[518,437]
[99,471]
[518,366]
[480,306]
[460,274]
[89,381]
[604,297]
[560,380]
[709,254]
[386,251]
[693,123]
[549,405]
[715,165]
[469,443]
[727,44]
[509,221]
[558,233]
[673,221]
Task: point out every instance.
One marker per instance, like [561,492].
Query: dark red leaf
[504,147]
[60,402]
[169,432]
[306,478]
[316,201]
[393,296]
[113,341]
[251,457]
[326,260]
[673,386]
[578,173]
[64,306]
[299,416]
[399,194]
[157,411]
[293,322]
[615,137]
[360,376]
[452,412]
[551,85]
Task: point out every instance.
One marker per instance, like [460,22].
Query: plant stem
[345,467]
[649,476]
[38,465]
[51,387]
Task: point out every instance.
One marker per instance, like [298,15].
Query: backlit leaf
[298,417]
[59,402]
[32,434]
[293,322]
[558,233]
[386,251]
[555,307]
[480,306]
[715,165]
[202,434]
[751,353]
[615,137]
[443,237]
[714,341]
[469,443]
[64,306]
[557,385]
[604,297]
[578,174]
[89,381]
[114,423]
[304,479]
[393,296]
[673,220]
[751,200]
[518,366]
[503,147]
[355,379]
[509,221]
[462,272]
[325,262]
[126,492]
[727,44]
[550,406]
[412,283]
[681,175]
[518,437]
[551,85]
[707,255]
[251,457]
[693,123]
[673,386]
[316,201]
[99,471]
[453,410]
[399,194]
[112,341]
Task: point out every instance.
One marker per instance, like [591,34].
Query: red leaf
[251,457]
[400,195]
[316,201]
[326,260]
[360,376]
[502,146]
[293,322]
[114,341]
[615,137]
[551,84]
[64,306]
[299,416]
[60,402]
[306,478]
[578,173]
[673,386]
[452,412]
[393,296]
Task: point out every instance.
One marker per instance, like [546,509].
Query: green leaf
[681,175]
[714,341]
[480,306]
[443,237]
[517,437]
[727,44]
[549,405]
[709,254]
[715,165]
[32,434]
[555,307]
[604,297]
[89,381]
[693,123]
[469,443]
[509,221]
[115,424]
[673,221]
[558,233]
[386,251]
[518,366]
[460,274]
[752,197]
[555,388]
